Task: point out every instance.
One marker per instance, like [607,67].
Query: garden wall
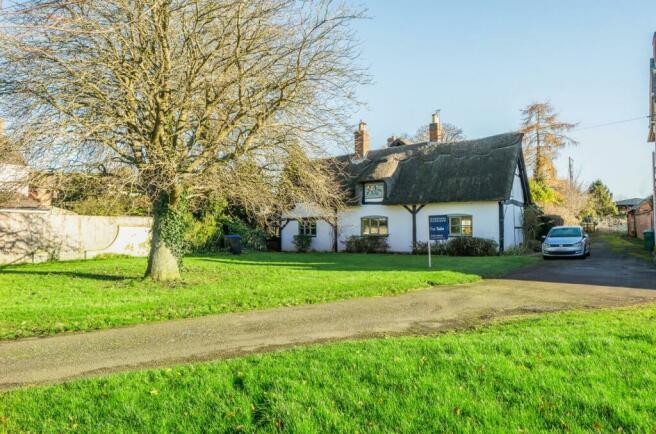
[42,235]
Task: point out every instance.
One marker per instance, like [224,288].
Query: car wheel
[546,258]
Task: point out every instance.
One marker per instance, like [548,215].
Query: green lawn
[578,371]
[49,298]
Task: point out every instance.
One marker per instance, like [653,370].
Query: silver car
[562,241]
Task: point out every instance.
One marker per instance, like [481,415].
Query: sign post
[438,230]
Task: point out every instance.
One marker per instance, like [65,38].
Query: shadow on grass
[74,274]
[484,266]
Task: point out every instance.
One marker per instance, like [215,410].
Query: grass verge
[623,244]
[575,371]
[44,299]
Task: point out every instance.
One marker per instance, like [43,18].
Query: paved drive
[606,279]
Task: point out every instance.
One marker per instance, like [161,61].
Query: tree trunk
[162,263]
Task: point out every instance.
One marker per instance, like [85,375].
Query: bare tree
[189,95]
[544,136]
[451,133]
[572,199]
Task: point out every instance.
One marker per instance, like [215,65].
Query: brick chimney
[435,131]
[361,141]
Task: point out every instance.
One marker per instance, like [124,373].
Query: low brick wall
[37,236]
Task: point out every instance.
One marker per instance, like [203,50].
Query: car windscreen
[565,232]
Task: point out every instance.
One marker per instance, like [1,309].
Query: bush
[461,246]
[203,234]
[368,244]
[302,242]
[437,248]
[531,222]
[543,194]
[547,222]
[471,246]
[252,238]
[520,250]
[534,246]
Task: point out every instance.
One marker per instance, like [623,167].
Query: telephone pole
[571,172]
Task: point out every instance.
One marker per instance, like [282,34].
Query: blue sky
[482,61]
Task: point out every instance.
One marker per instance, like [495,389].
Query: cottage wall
[485,223]
[514,214]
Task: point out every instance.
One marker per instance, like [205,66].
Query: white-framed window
[374,191]
[461,226]
[374,225]
[307,227]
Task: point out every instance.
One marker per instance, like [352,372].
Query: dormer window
[374,192]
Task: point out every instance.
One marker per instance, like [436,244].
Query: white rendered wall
[35,236]
[323,242]
[485,223]
[485,218]
[517,192]
[513,231]
[399,223]
[514,214]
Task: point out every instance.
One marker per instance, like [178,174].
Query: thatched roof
[468,171]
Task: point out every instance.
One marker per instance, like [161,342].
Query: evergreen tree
[600,202]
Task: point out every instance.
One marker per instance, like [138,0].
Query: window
[307,227]
[374,191]
[460,226]
[374,225]
[565,233]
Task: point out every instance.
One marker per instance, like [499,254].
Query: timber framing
[414,209]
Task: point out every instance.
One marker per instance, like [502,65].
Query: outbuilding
[640,218]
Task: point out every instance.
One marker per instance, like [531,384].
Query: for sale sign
[438,227]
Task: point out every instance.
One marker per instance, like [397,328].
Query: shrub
[547,222]
[543,194]
[534,246]
[471,246]
[202,234]
[531,222]
[437,248]
[252,237]
[368,244]
[520,250]
[302,242]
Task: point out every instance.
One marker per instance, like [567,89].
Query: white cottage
[480,186]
